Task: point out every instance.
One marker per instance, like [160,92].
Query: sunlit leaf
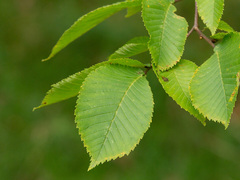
[113,111]
[167,31]
[131,48]
[87,22]
[176,83]
[211,12]
[214,86]
[70,87]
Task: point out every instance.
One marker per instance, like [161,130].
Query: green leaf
[219,36]
[126,62]
[214,86]
[114,110]
[223,26]
[211,12]
[176,83]
[66,88]
[87,22]
[70,87]
[131,48]
[133,10]
[168,32]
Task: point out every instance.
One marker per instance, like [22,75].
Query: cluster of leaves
[115,104]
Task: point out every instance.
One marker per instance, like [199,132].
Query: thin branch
[196,28]
[205,37]
[196,15]
[190,32]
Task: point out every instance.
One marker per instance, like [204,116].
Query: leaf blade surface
[113,114]
[211,12]
[168,32]
[176,83]
[70,86]
[131,48]
[214,86]
[87,22]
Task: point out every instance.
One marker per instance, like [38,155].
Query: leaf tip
[35,108]
[46,59]
[92,165]
[226,124]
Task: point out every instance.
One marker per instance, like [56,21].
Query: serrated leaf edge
[204,120]
[116,156]
[178,17]
[213,30]
[52,54]
[206,115]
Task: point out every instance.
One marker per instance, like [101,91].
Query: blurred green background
[45,145]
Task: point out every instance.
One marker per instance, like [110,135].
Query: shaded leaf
[87,22]
[176,83]
[113,111]
[168,32]
[211,12]
[133,10]
[219,36]
[214,86]
[131,48]
[223,26]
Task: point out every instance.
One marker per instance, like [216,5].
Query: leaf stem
[147,69]
[177,1]
[196,28]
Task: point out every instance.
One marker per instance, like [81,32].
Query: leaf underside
[168,32]
[87,22]
[70,86]
[211,12]
[176,83]
[133,47]
[214,86]
[113,111]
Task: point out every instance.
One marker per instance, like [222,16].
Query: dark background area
[45,145]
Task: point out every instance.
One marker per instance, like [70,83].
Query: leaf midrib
[189,99]
[116,112]
[164,24]
[225,98]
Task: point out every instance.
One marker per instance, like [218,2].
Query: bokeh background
[45,145]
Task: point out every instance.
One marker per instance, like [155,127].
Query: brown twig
[196,28]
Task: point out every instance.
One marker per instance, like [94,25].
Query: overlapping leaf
[70,86]
[87,22]
[211,12]
[133,10]
[176,83]
[113,111]
[66,88]
[224,28]
[133,47]
[167,31]
[214,87]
